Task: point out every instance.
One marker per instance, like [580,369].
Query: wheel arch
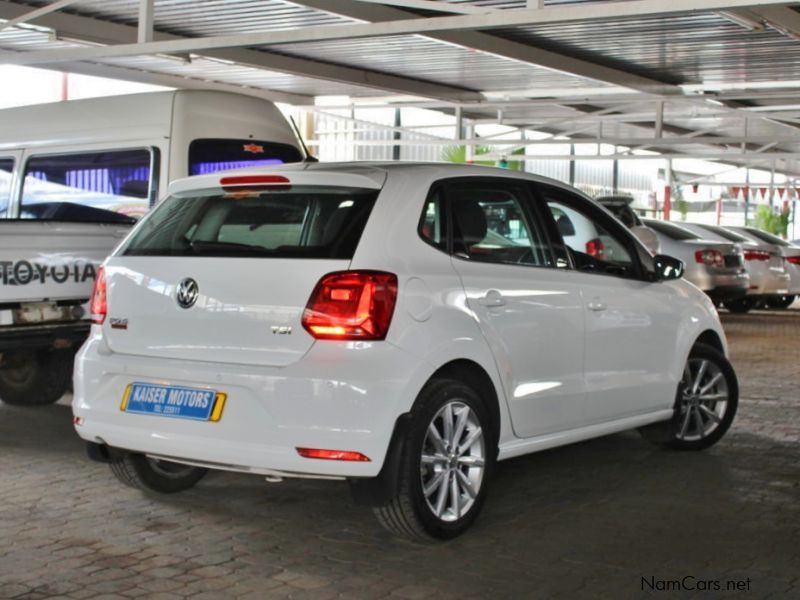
[709,337]
[475,376]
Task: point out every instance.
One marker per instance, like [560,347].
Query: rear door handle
[596,305]
[492,298]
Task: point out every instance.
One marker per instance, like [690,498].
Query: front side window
[299,222]
[490,224]
[589,236]
[6,169]
[212,155]
[105,186]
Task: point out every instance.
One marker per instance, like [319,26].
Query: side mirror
[667,267]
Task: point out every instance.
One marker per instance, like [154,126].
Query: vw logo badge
[187,293]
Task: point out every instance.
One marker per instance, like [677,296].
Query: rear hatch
[224,274]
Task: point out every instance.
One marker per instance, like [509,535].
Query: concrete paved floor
[585,521]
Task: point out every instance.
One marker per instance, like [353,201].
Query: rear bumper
[727,292]
[26,337]
[770,283]
[340,396]
[721,285]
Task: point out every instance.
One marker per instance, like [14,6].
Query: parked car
[401,326]
[768,276]
[620,207]
[791,262]
[715,267]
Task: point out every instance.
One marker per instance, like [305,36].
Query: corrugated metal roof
[427,59]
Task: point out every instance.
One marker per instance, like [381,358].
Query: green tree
[767,219]
[458,154]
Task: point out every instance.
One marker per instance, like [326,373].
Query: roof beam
[780,18]
[104,32]
[35,14]
[435,5]
[174,81]
[145,31]
[502,18]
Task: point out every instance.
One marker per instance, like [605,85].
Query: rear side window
[433,226]
[296,222]
[212,155]
[6,168]
[108,186]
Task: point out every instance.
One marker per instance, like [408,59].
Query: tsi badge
[187,294]
[281,330]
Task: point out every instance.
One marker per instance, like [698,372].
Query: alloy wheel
[453,461]
[704,399]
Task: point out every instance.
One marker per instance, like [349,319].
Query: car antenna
[308,158]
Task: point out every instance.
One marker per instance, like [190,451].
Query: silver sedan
[715,267]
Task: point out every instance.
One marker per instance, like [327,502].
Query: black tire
[35,377]
[741,305]
[151,475]
[780,302]
[675,433]
[408,514]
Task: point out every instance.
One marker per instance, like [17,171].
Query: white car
[402,326]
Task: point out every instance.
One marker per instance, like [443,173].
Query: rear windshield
[623,212]
[675,232]
[297,222]
[767,237]
[210,156]
[726,233]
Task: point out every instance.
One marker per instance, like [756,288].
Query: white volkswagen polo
[401,326]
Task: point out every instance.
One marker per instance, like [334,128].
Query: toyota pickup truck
[47,270]
[74,177]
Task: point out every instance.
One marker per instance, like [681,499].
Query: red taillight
[712,258]
[351,305]
[793,260]
[332,454]
[756,255]
[99,306]
[595,248]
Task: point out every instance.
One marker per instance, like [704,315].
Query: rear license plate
[173,401]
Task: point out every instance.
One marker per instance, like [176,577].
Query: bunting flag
[781,192]
[763,192]
[695,187]
[735,191]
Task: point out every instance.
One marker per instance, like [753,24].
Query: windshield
[294,222]
[672,231]
[767,237]
[726,233]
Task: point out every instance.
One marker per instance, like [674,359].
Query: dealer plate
[178,402]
